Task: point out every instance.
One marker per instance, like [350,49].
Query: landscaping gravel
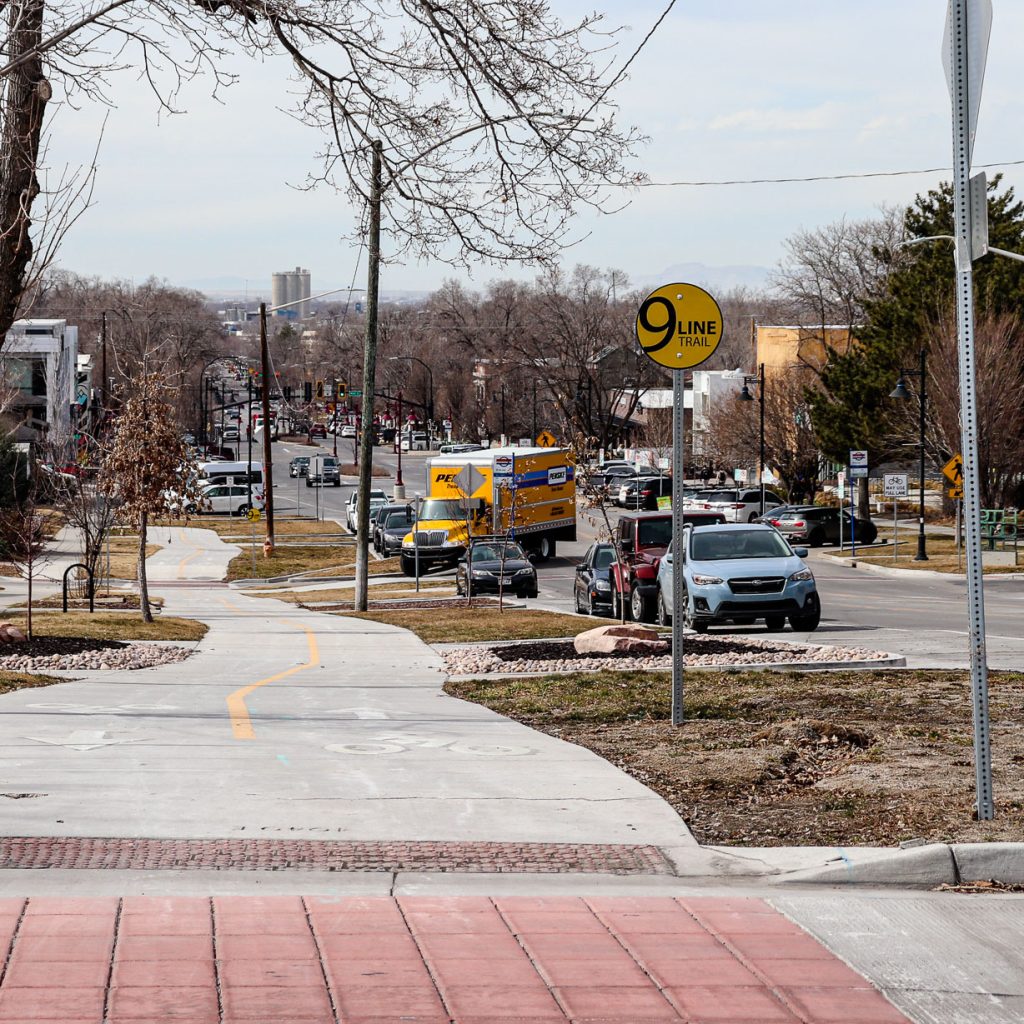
[77,653]
[699,651]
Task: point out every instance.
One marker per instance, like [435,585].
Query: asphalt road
[922,616]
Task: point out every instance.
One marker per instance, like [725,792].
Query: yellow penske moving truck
[527,493]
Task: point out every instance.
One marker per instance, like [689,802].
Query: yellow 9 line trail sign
[679,326]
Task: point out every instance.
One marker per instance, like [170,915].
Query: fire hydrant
[268,548]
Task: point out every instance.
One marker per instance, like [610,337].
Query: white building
[39,360]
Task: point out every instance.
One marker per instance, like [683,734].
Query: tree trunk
[147,613]
[28,616]
[25,94]
[863,499]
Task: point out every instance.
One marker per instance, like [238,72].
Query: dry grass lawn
[288,560]
[111,626]
[437,588]
[777,759]
[284,529]
[459,624]
[10,681]
[941,555]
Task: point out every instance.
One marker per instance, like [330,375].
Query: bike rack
[91,587]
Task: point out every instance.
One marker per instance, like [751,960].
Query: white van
[234,474]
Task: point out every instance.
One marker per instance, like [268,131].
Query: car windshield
[604,557]
[654,533]
[396,519]
[301,460]
[437,508]
[492,552]
[711,545]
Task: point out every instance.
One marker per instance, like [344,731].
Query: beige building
[781,348]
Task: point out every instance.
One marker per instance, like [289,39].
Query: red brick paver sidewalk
[323,960]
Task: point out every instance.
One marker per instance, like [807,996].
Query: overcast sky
[726,89]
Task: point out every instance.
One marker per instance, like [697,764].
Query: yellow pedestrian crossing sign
[545,439]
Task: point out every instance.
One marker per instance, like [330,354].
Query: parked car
[739,574]
[592,590]
[348,430]
[460,448]
[642,538]
[377,497]
[323,470]
[643,492]
[613,474]
[493,563]
[299,466]
[317,430]
[738,505]
[393,526]
[772,515]
[229,499]
[819,525]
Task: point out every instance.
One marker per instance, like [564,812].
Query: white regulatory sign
[896,485]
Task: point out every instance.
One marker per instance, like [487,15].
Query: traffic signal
[319,389]
[307,391]
[342,389]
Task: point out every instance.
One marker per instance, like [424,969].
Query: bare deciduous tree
[146,461]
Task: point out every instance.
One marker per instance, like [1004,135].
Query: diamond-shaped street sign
[979,28]
[468,480]
[953,470]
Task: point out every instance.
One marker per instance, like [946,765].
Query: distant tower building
[291,286]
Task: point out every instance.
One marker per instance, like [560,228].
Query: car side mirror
[800,552]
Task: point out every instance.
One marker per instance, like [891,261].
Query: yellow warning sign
[545,439]
[953,471]
[957,493]
[253,515]
[679,326]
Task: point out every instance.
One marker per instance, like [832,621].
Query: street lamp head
[745,395]
[900,391]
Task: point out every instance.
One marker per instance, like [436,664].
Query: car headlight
[602,585]
[705,581]
[524,572]
[482,573]
[410,544]
[803,574]
[449,543]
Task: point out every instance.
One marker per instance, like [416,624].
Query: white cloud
[779,119]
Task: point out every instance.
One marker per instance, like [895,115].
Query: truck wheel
[545,549]
[640,606]
[408,566]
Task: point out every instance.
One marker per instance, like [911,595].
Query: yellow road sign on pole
[679,326]
[545,439]
[253,515]
[953,471]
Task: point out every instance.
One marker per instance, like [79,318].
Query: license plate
[506,582]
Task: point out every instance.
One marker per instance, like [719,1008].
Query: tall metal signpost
[965,46]
[679,326]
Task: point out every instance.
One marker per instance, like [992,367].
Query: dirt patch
[792,758]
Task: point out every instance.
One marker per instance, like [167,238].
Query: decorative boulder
[11,634]
[621,640]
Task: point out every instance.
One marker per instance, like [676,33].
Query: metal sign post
[678,326]
[967,27]
[895,486]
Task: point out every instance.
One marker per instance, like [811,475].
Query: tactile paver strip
[327,855]
[431,960]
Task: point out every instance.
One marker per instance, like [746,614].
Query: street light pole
[900,392]
[746,396]
[399,482]
[268,453]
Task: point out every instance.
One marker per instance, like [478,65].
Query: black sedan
[299,466]
[592,590]
[817,526]
[495,564]
[393,526]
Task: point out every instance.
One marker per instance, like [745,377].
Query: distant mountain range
[721,278]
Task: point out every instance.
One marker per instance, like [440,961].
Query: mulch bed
[45,646]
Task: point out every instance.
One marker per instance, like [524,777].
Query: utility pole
[248,434]
[268,455]
[369,381]
[104,385]
[399,482]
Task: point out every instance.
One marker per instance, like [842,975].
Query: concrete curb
[921,867]
[253,584]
